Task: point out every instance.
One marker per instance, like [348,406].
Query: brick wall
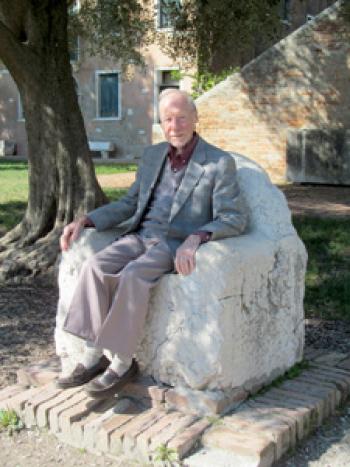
[301,82]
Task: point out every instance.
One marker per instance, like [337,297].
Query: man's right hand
[71,232]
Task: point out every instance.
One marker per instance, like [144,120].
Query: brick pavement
[138,421]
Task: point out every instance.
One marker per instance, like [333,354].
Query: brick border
[139,420]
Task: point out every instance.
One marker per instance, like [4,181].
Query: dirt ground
[123,180]
[318,200]
[27,321]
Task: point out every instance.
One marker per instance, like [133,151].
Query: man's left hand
[185,255]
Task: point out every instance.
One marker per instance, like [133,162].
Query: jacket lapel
[193,173]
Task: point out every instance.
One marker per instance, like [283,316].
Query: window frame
[157,8]
[99,73]
[156,85]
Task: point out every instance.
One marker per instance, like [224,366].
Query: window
[108,94]
[285,12]
[73,39]
[165,78]
[168,79]
[165,10]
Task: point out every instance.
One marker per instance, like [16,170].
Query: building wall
[130,133]
[133,130]
[302,82]
[12,126]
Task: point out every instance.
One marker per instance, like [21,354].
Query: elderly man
[185,193]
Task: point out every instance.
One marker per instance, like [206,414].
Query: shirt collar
[179,160]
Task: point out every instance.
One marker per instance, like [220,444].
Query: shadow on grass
[327,293]
[10,214]
[113,194]
[16,165]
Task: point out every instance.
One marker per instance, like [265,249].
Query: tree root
[12,236]
[18,263]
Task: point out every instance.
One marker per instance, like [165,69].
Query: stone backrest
[269,213]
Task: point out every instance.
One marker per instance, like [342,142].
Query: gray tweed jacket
[208,197]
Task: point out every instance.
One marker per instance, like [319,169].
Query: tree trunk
[62,182]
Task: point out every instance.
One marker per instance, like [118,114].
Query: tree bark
[62,182]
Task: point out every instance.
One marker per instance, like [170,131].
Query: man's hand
[185,255]
[71,232]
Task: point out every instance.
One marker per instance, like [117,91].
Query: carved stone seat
[237,321]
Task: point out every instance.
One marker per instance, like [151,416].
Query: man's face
[178,119]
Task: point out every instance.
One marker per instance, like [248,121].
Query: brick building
[117,110]
[288,109]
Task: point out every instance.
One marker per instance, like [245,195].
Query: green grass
[14,189]
[105,169]
[328,273]
[13,193]
[165,454]
[13,182]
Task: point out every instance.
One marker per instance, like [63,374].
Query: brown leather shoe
[111,382]
[81,375]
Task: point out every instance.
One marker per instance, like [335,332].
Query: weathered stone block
[237,320]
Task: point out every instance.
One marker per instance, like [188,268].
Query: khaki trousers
[110,303]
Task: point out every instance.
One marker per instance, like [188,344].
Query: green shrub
[10,421]
[204,81]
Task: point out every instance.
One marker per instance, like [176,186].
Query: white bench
[7,148]
[103,146]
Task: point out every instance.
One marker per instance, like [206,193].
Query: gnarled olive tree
[62,182]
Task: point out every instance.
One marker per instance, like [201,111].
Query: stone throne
[234,324]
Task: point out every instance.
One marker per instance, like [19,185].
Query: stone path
[138,422]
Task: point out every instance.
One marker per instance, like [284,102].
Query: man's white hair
[167,92]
